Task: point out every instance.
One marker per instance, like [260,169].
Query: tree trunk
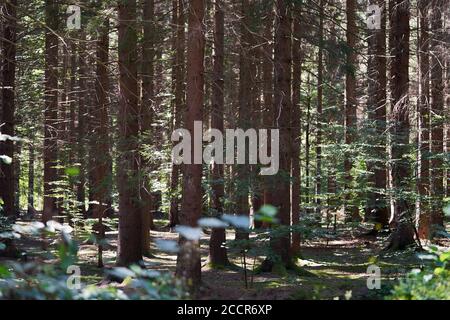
[377,207]
[282,108]
[295,126]
[178,110]
[246,83]
[51,108]
[100,132]
[146,119]
[130,231]
[217,251]
[30,207]
[188,260]
[350,105]
[424,120]
[437,110]
[8,60]
[81,129]
[401,171]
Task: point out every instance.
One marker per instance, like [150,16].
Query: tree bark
[377,207]
[424,120]
[146,119]
[403,234]
[130,228]
[295,126]
[188,260]
[350,106]
[178,109]
[282,108]
[100,132]
[8,60]
[437,110]
[51,108]
[217,251]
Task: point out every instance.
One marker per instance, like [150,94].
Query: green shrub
[430,283]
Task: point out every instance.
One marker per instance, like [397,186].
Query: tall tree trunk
[100,133]
[130,228]
[350,105]
[178,109]
[217,251]
[8,61]
[146,118]
[81,128]
[295,126]
[401,171]
[246,83]
[437,110]
[268,94]
[282,108]
[51,108]
[319,111]
[424,120]
[188,260]
[377,207]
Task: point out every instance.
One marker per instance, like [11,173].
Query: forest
[224,150]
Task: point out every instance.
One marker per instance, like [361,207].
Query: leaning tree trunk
[130,231]
[188,260]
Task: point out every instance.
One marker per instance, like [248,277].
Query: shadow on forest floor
[337,267]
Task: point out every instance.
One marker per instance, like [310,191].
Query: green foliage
[38,281]
[430,283]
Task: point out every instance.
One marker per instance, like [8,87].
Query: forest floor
[336,267]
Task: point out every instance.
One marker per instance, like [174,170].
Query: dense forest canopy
[270,149]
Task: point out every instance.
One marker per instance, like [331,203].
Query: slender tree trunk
[319,111]
[377,207]
[81,128]
[350,104]
[31,154]
[178,110]
[295,126]
[268,94]
[8,61]
[307,143]
[217,251]
[51,108]
[246,82]
[437,110]
[100,132]
[401,171]
[146,118]
[424,120]
[130,221]
[188,260]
